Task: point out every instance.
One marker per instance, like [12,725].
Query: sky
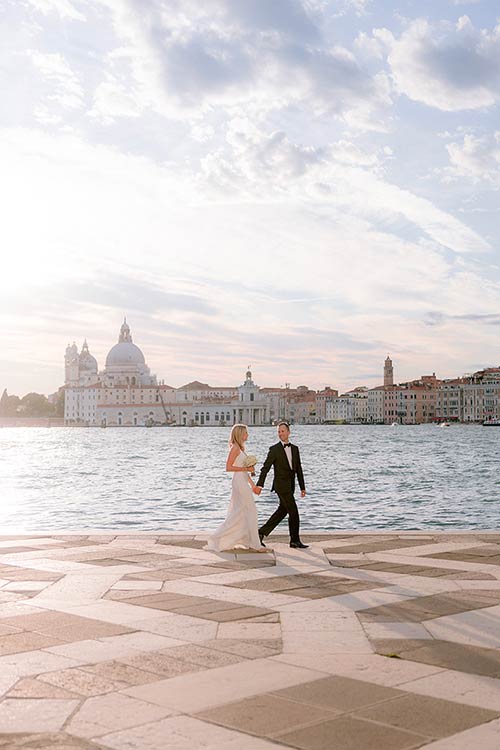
[300,185]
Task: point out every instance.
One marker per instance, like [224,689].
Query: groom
[285,460]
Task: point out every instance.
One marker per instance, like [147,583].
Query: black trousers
[287,507]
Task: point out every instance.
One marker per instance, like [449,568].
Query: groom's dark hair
[284,424]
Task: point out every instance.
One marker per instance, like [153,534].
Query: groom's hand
[257,490]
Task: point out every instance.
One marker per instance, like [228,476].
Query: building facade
[127,394]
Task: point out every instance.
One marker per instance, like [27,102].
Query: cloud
[63,87]
[339,177]
[476,157]
[190,57]
[449,67]
[63,8]
[435,318]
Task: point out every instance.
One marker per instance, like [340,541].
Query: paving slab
[141,641]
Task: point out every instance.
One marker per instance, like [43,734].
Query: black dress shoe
[298,545]
[261,537]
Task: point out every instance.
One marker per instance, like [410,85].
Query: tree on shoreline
[31,405]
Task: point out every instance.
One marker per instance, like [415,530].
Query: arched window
[216,416]
[207,417]
[133,381]
[120,418]
[196,417]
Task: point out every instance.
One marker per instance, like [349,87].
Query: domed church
[126,394]
[125,363]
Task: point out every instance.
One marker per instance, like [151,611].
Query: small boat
[495,422]
[395,424]
[444,424]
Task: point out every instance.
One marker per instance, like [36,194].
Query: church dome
[125,352]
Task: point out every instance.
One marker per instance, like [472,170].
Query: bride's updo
[236,436]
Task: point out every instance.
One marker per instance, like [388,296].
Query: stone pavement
[146,641]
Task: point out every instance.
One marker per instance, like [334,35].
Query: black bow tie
[287,445]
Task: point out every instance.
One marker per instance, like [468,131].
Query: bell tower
[388,372]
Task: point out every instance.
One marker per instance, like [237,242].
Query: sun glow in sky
[305,185]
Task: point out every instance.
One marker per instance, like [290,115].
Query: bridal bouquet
[250,461]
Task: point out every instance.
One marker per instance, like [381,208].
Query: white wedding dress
[240,529]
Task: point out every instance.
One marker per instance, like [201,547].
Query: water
[172,479]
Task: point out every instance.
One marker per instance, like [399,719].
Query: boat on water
[444,424]
[491,422]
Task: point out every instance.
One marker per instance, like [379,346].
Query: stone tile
[121,673]
[375,546]
[197,692]
[45,741]
[19,642]
[266,715]
[92,651]
[396,630]
[161,664]
[351,733]
[339,693]
[34,715]
[248,629]
[29,687]
[204,656]
[26,586]
[139,641]
[232,615]
[281,583]
[184,733]
[81,682]
[334,589]
[474,690]
[485,737]
[439,717]
[425,608]
[113,712]
[137,585]
[249,649]
[366,667]
[457,656]
[35,662]
[479,628]
[181,628]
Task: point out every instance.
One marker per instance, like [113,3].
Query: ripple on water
[369,477]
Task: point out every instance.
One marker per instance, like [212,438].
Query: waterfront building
[375,405]
[419,400]
[323,398]
[481,396]
[125,393]
[349,408]
[449,398]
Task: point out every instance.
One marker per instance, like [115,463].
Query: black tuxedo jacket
[284,476]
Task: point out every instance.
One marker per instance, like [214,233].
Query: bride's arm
[233,455]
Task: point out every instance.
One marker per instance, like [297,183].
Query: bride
[240,529]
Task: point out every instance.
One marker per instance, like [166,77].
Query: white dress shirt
[288,451]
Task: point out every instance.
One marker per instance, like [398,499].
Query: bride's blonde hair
[236,436]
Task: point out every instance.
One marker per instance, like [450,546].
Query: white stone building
[351,407]
[126,394]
